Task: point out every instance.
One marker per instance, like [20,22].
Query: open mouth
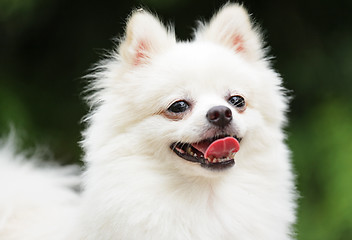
[216,153]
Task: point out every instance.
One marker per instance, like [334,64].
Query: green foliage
[12,110]
[162,4]
[322,147]
[10,8]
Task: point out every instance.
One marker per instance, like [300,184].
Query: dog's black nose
[220,116]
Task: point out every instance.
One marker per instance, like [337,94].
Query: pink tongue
[220,148]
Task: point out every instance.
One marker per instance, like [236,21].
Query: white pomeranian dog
[184,141]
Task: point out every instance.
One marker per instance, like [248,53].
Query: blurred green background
[46,46]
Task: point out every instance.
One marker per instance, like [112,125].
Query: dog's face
[196,106]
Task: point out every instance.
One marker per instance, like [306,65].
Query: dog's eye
[178,107]
[237,101]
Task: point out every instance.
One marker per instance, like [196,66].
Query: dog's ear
[145,37]
[232,27]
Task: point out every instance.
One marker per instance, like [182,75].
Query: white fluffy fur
[135,186]
[35,203]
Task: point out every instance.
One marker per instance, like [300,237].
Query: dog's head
[198,106]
